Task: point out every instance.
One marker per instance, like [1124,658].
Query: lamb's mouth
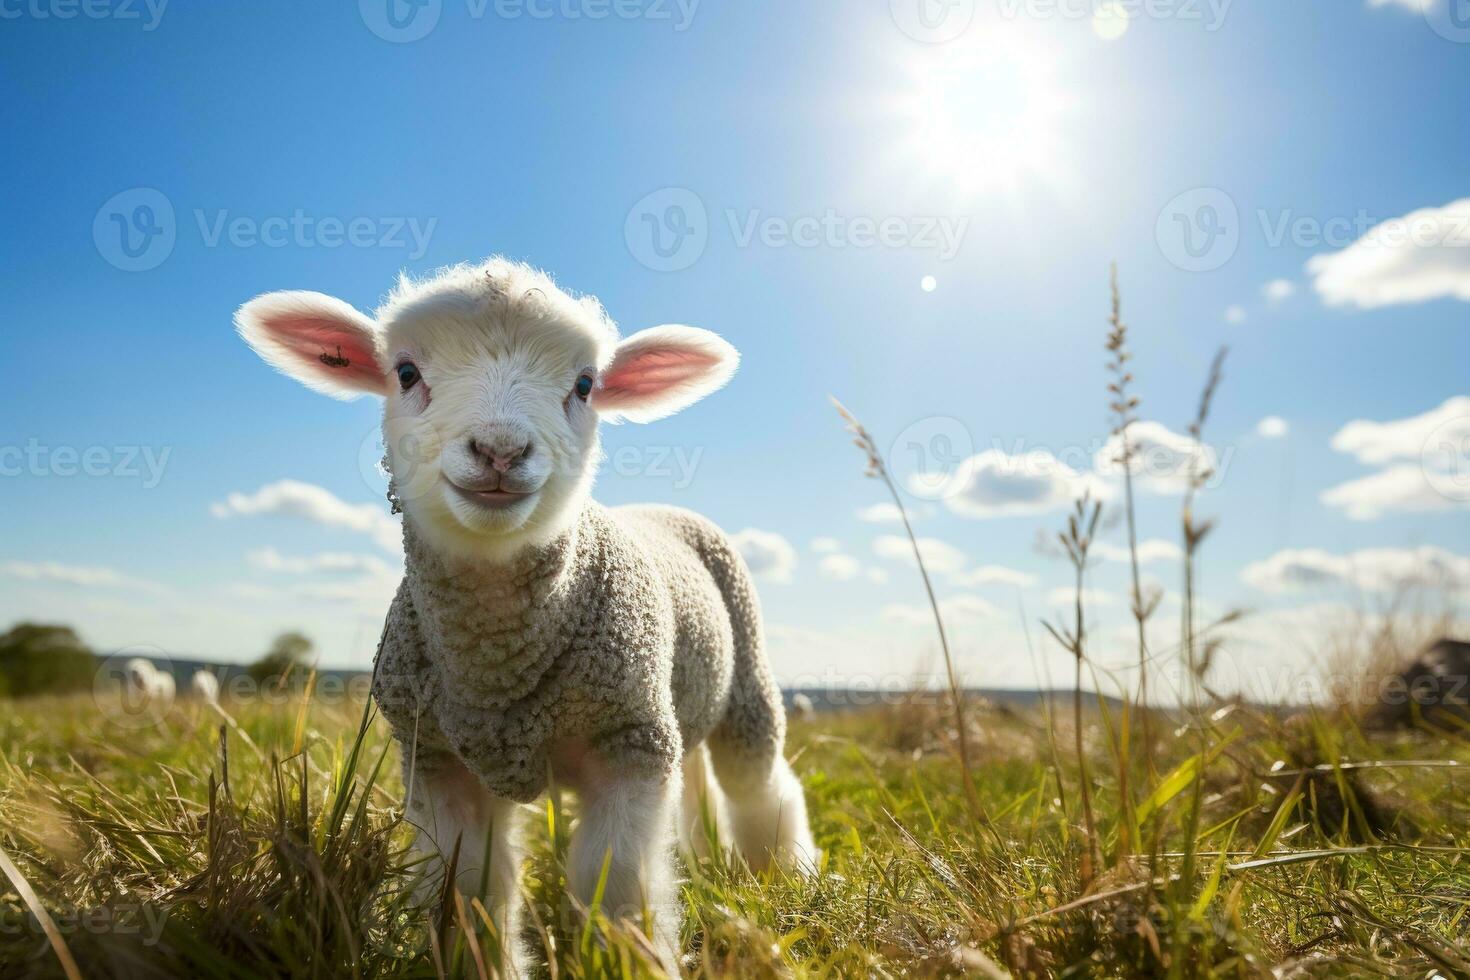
[492,499]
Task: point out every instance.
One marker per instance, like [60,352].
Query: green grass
[1088,840]
[289,859]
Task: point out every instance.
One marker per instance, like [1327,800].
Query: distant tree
[287,651]
[40,659]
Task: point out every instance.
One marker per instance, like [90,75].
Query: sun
[985,117]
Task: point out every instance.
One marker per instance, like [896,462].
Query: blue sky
[256,135]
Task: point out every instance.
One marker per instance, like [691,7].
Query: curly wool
[634,635]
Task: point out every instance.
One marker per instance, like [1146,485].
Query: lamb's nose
[501,454]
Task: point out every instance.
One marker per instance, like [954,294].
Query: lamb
[147,685]
[205,686]
[137,677]
[163,688]
[538,635]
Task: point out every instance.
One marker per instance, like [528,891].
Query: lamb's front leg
[451,809]
[632,818]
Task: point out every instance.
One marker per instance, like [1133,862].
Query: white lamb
[205,686]
[147,685]
[537,634]
[138,674]
[163,688]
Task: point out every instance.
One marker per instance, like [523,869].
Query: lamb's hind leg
[764,800]
[702,822]
[452,811]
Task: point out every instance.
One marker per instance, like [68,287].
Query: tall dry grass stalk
[1194,531]
[1077,540]
[878,469]
[1124,406]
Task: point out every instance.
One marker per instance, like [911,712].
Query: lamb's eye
[408,375]
[583,387]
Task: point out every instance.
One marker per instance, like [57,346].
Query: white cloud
[292,498]
[994,575]
[1404,488]
[1149,551]
[955,609]
[1066,596]
[876,575]
[824,545]
[884,513]
[1272,427]
[1438,441]
[996,484]
[767,553]
[940,557]
[375,591]
[82,576]
[251,592]
[841,567]
[1421,256]
[1162,459]
[1278,290]
[1415,6]
[1235,314]
[271,560]
[1372,570]
[1381,442]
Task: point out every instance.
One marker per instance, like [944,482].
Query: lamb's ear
[660,370]
[319,340]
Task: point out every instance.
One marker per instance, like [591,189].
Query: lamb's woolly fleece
[520,296]
[632,635]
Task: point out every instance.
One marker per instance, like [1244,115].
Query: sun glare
[985,117]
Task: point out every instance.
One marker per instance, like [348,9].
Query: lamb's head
[494,381]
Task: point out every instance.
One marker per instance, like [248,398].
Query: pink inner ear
[653,372]
[337,353]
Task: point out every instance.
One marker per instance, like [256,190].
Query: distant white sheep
[536,631]
[145,684]
[802,704]
[138,677]
[205,686]
[163,689]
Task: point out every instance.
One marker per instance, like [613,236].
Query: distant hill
[823,699]
[841,699]
[183,668]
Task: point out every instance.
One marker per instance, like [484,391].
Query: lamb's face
[491,434]
[494,381]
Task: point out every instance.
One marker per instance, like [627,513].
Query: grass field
[279,851]
[1083,839]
